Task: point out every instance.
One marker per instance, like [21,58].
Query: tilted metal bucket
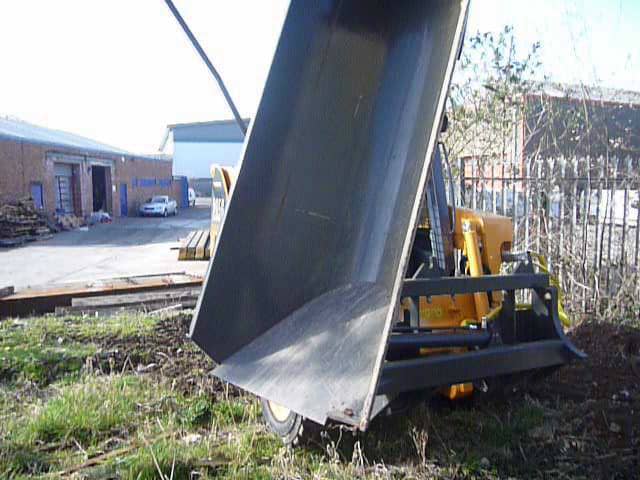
[306,277]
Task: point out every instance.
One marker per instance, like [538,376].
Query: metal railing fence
[583,214]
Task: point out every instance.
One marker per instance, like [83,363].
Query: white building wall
[195,159]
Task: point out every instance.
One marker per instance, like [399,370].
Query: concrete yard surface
[129,246]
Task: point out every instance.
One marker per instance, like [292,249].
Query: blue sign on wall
[146,182]
[150,182]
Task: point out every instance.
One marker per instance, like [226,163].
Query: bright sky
[120,71]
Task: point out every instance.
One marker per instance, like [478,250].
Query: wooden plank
[194,239]
[191,249]
[108,310]
[182,253]
[202,244]
[32,301]
[134,298]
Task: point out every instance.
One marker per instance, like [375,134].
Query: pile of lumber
[148,302]
[196,246]
[146,293]
[68,221]
[20,222]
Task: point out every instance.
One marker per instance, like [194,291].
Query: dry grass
[137,402]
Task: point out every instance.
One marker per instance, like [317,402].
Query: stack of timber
[148,302]
[68,221]
[146,293]
[196,246]
[22,222]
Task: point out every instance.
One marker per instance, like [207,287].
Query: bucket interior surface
[300,295]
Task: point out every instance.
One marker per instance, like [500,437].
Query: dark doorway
[37,195]
[124,202]
[99,182]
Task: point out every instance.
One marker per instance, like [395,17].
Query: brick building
[68,173]
[557,121]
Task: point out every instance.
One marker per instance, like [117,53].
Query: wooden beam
[32,301]
[201,247]
[182,253]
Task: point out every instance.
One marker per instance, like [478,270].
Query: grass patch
[126,325]
[205,411]
[80,414]
[251,454]
[42,363]
[173,417]
[45,349]
[50,327]
[86,412]
[242,410]
[165,456]
[486,429]
[19,461]
[507,431]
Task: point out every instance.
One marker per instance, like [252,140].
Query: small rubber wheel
[288,425]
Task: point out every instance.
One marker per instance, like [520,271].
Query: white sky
[119,71]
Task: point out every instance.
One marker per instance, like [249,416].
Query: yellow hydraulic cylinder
[457,391]
[474,260]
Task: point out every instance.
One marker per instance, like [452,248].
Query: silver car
[160,205]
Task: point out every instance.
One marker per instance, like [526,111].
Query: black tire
[292,429]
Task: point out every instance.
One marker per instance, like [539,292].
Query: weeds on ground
[44,349]
[111,412]
[134,423]
[79,327]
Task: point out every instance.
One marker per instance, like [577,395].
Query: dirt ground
[582,421]
[591,409]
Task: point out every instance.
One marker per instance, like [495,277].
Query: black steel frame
[523,340]
[427,287]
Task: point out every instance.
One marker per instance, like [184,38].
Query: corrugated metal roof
[216,131]
[223,122]
[14,129]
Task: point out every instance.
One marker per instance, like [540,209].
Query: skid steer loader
[341,278]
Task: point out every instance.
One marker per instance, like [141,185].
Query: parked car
[192,197]
[160,205]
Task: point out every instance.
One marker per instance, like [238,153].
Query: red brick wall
[19,167]
[23,163]
[130,172]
